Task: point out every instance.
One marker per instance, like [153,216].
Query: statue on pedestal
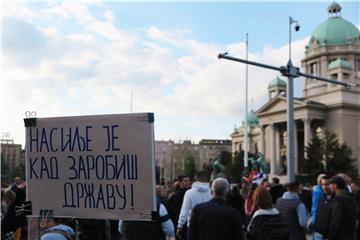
[260,164]
[218,169]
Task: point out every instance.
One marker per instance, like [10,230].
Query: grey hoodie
[199,193]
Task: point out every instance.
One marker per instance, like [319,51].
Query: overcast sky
[73,58]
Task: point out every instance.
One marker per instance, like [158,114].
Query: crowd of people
[259,211]
[215,210]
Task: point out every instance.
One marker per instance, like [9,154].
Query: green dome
[336,31]
[339,63]
[277,82]
[252,119]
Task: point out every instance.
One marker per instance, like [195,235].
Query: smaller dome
[252,119]
[277,82]
[339,63]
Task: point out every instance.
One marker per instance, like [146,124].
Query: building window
[314,68]
[357,67]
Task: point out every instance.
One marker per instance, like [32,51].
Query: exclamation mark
[132,196]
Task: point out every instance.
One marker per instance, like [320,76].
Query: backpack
[322,215]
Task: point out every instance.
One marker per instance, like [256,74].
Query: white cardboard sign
[92,166]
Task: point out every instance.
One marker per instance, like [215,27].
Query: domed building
[334,52]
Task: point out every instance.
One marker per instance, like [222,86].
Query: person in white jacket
[200,192]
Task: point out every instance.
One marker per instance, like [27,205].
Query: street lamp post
[290,110]
[246,143]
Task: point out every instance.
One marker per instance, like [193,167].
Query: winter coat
[11,221]
[174,204]
[322,215]
[199,193]
[235,200]
[343,214]
[267,225]
[59,232]
[215,220]
[94,229]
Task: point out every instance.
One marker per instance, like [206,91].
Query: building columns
[273,149]
[307,132]
[233,146]
[277,154]
[262,140]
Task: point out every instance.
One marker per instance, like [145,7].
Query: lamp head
[297,27]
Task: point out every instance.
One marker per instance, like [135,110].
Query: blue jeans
[318,236]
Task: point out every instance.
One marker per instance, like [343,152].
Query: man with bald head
[216,220]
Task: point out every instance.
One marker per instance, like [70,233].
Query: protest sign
[92,166]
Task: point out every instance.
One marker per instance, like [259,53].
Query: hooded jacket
[199,193]
[59,232]
[317,194]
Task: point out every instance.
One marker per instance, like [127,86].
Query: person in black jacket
[158,229]
[215,219]
[176,198]
[276,190]
[235,200]
[343,212]
[11,221]
[355,188]
[306,195]
[322,210]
